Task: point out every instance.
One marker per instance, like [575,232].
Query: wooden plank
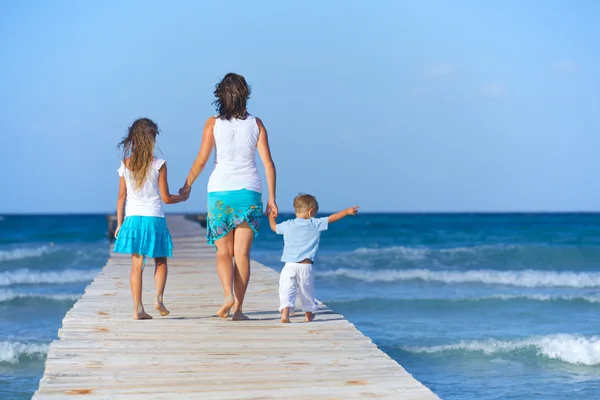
[190,354]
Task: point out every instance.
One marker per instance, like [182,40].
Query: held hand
[185,191]
[117,231]
[272,214]
[272,208]
[352,210]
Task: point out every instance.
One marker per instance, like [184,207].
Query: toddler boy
[301,241]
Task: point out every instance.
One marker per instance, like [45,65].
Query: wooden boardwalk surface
[103,354]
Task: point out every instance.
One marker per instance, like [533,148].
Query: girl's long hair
[232,94]
[138,146]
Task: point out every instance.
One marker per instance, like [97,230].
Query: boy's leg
[287,292]
[306,282]
[135,281]
[160,280]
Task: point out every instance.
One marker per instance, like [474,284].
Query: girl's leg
[160,280]
[135,280]
[242,244]
[225,272]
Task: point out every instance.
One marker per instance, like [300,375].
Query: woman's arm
[265,155]
[208,142]
[163,185]
[121,204]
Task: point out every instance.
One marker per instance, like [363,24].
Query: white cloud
[494,90]
[565,66]
[439,70]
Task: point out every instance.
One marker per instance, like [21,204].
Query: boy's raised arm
[339,215]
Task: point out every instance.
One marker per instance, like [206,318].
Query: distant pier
[103,354]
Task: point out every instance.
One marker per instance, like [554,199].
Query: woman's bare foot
[161,308]
[285,316]
[238,315]
[309,316]
[227,304]
[141,315]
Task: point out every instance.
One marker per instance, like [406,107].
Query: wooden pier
[103,354]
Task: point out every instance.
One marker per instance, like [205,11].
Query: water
[474,306]
[45,264]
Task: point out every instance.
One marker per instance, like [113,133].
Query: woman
[234,188]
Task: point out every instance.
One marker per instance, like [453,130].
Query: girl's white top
[235,151]
[146,200]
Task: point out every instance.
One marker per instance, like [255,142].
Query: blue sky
[391,105]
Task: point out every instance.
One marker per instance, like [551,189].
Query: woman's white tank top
[235,156]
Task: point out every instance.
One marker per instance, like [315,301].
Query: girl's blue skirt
[228,209]
[146,236]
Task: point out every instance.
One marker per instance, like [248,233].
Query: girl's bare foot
[285,316]
[161,308]
[158,304]
[309,316]
[141,315]
[227,304]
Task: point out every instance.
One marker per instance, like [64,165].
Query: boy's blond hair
[304,202]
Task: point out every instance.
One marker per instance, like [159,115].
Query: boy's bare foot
[161,308]
[309,316]
[141,315]
[227,304]
[285,316]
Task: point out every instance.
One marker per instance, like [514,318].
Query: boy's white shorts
[296,277]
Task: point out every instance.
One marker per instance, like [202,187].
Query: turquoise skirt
[228,209]
[146,236]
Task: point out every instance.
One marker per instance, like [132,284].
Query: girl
[144,231]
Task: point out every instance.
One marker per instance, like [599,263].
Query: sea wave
[495,297]
[26,276]
[423,251]
[15,352]
[478,256]
[8,296]
[572,349]
[523,278]
[23,252]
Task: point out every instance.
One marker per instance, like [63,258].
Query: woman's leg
[135,281]
[242,243]
[225,271]
[160,280]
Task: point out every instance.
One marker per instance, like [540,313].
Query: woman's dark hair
[232,93]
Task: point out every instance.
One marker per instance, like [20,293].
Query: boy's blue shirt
[301,238]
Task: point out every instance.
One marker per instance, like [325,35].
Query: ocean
[475,306]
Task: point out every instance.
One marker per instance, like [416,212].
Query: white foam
[572,349]
[26,276]
[21,253]
[7,295]
[523,278]
[506,297]
[12,352]
[421,252]
[543,297]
